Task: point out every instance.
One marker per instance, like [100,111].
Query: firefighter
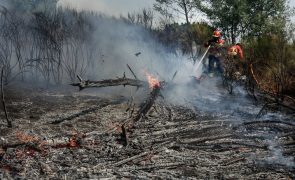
[215,52]
[236,53]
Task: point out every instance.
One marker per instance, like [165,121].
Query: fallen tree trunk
[109,82]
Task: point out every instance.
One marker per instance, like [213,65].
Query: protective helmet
[233,51]
[216,34]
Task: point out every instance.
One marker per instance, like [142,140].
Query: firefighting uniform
[236,52]
[215,52]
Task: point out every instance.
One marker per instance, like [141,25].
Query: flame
[153,82]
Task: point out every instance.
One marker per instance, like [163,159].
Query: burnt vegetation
[49,129]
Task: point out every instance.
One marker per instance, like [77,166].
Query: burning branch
[156,87]
[153,82]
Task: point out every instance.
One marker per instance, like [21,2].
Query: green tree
[245,17]
[265,16]
[200,32]
[224,14]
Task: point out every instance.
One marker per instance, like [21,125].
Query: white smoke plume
[117,44]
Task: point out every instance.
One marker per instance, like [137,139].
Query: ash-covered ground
[62,133]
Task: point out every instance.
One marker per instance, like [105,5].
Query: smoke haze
[109,7]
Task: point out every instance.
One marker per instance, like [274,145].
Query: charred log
[109,82]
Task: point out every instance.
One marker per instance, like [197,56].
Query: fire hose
[199,63]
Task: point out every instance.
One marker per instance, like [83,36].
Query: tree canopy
[245,17]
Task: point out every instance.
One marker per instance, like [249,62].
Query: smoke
[274,156]
[4,3]
[277,156]
[55,46]
[109,7]
[117,44]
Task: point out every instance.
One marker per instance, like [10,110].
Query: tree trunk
[185,12]
[9,124]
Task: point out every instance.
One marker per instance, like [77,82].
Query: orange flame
[153,82]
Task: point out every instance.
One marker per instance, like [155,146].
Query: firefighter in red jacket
[215,52]
[236,52]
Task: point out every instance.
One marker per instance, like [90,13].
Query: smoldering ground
[108,44]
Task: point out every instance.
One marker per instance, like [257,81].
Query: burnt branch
[109,82]
[148,103]
[132,72]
